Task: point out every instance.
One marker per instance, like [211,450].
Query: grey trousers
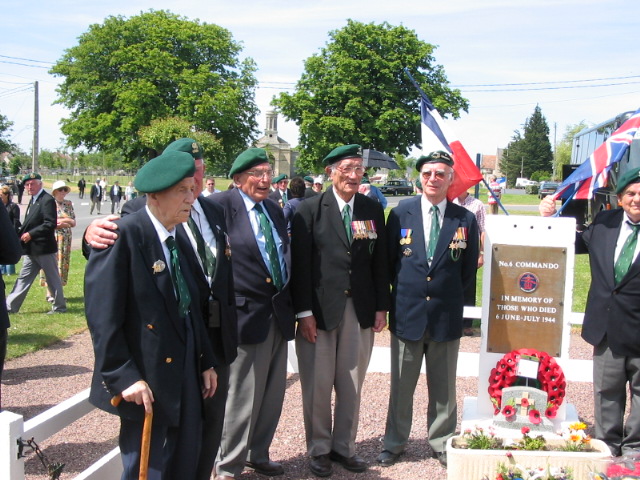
[257,383]
[31,266]
[441,364]
[611,375]
[338,360]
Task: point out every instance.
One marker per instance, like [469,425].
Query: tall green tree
[124,73]
[529,152]
[5,129]
[563,149]
[356,91]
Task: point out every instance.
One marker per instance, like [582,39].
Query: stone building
[284,158]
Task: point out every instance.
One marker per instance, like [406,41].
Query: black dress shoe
[442,458]
[387,458]
[270,469]
[353,464]
[320,465]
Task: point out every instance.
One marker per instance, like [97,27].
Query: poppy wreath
[550,379]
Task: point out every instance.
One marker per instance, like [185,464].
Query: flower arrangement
[530,443]
[621,468]
[477,439]
[550,379]
[518,472]
[576,440]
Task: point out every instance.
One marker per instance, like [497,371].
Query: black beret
[164,171]
[435,157]
[342,152]
[247,159]
[188,145]
[632,176]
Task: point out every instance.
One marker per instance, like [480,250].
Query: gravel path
[37,381]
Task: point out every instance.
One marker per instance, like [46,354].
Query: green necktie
[204,252]
[346,219]
[625,259]
[272,250]
[184,298]
[434,232]
[284,196]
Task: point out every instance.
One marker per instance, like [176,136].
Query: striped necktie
[272,250]
[204,252]
[625,259]
[184,298]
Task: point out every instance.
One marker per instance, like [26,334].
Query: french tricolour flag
[594,171]
[436,136]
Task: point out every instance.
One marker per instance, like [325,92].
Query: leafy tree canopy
[125,73]
[530,152]
[356,91]
[5,129]
[563,150]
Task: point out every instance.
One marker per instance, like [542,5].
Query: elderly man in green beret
[262,270]
[39,247]
[612,316]
[281,193]
[341,297]
[149,338]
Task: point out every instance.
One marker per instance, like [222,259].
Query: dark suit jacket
[612,310]
[96,192]
[40,222]
[276,196]
[136,330]
[256,297]
[112,193]
[10,253]
[224,339]
[327,269]
[429,296]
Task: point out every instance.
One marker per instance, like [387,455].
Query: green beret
[282,176]
[31,176]
[340,153]
[164,171]
[632,176]
[308,178]
[435,157]
[247,159]
[188,145]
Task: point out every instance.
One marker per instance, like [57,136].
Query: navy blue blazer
[612,310]
[10,253]
[429,297]
[135,327]
[256,297]
[40,221]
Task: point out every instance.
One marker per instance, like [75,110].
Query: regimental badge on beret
[435,157]
[342,152]
[187,145]
[31,176]
[195,148]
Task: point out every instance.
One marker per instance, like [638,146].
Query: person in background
[318,184]
[103,189]
[13,211]
[95,195]
[66,221]
[308,186]
[39,246]
[10,252]
[496,188]
[281,194]
[129,192]
[341,298]
[115,195]
[297,196]
[475,206]
[433,250]
[82,184]
[612,315]
[210,187]
[20,184]
[371,191]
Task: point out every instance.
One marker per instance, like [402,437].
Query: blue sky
[580,58]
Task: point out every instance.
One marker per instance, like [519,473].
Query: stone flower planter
[470,464]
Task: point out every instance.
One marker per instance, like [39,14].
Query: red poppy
[524,402]
[508,411]
[524,430]
[534,417]
[551,412]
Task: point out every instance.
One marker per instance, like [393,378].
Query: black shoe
[353,464]
[442,458]
[387,458]
[270,469]
[320,465]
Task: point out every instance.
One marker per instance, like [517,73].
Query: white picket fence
[13,429]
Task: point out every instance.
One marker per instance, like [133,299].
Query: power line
[25,59]
[544,83]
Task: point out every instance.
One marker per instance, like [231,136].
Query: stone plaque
[526,307]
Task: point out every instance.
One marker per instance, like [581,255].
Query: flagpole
[494,196]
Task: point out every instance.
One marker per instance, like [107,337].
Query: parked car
[397,187]
[547,188]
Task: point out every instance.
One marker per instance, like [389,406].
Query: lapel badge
[407,252]
[158,266]
[405,233]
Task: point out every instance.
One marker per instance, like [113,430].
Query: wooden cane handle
[115,401]
[145,445]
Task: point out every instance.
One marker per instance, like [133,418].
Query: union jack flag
[594,171]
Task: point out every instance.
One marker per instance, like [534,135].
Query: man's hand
[209,383]
[141,394]
[307,326]
[380,322]
[100,233]
[25,237]
[547,206]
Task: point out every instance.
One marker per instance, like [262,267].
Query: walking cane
[146,439]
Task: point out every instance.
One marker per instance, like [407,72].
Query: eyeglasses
[348,170]
[440,174]
[259,174]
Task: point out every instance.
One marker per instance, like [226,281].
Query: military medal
[364,229]
[458,243]
[405,233]
[158,266]
[407,252]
